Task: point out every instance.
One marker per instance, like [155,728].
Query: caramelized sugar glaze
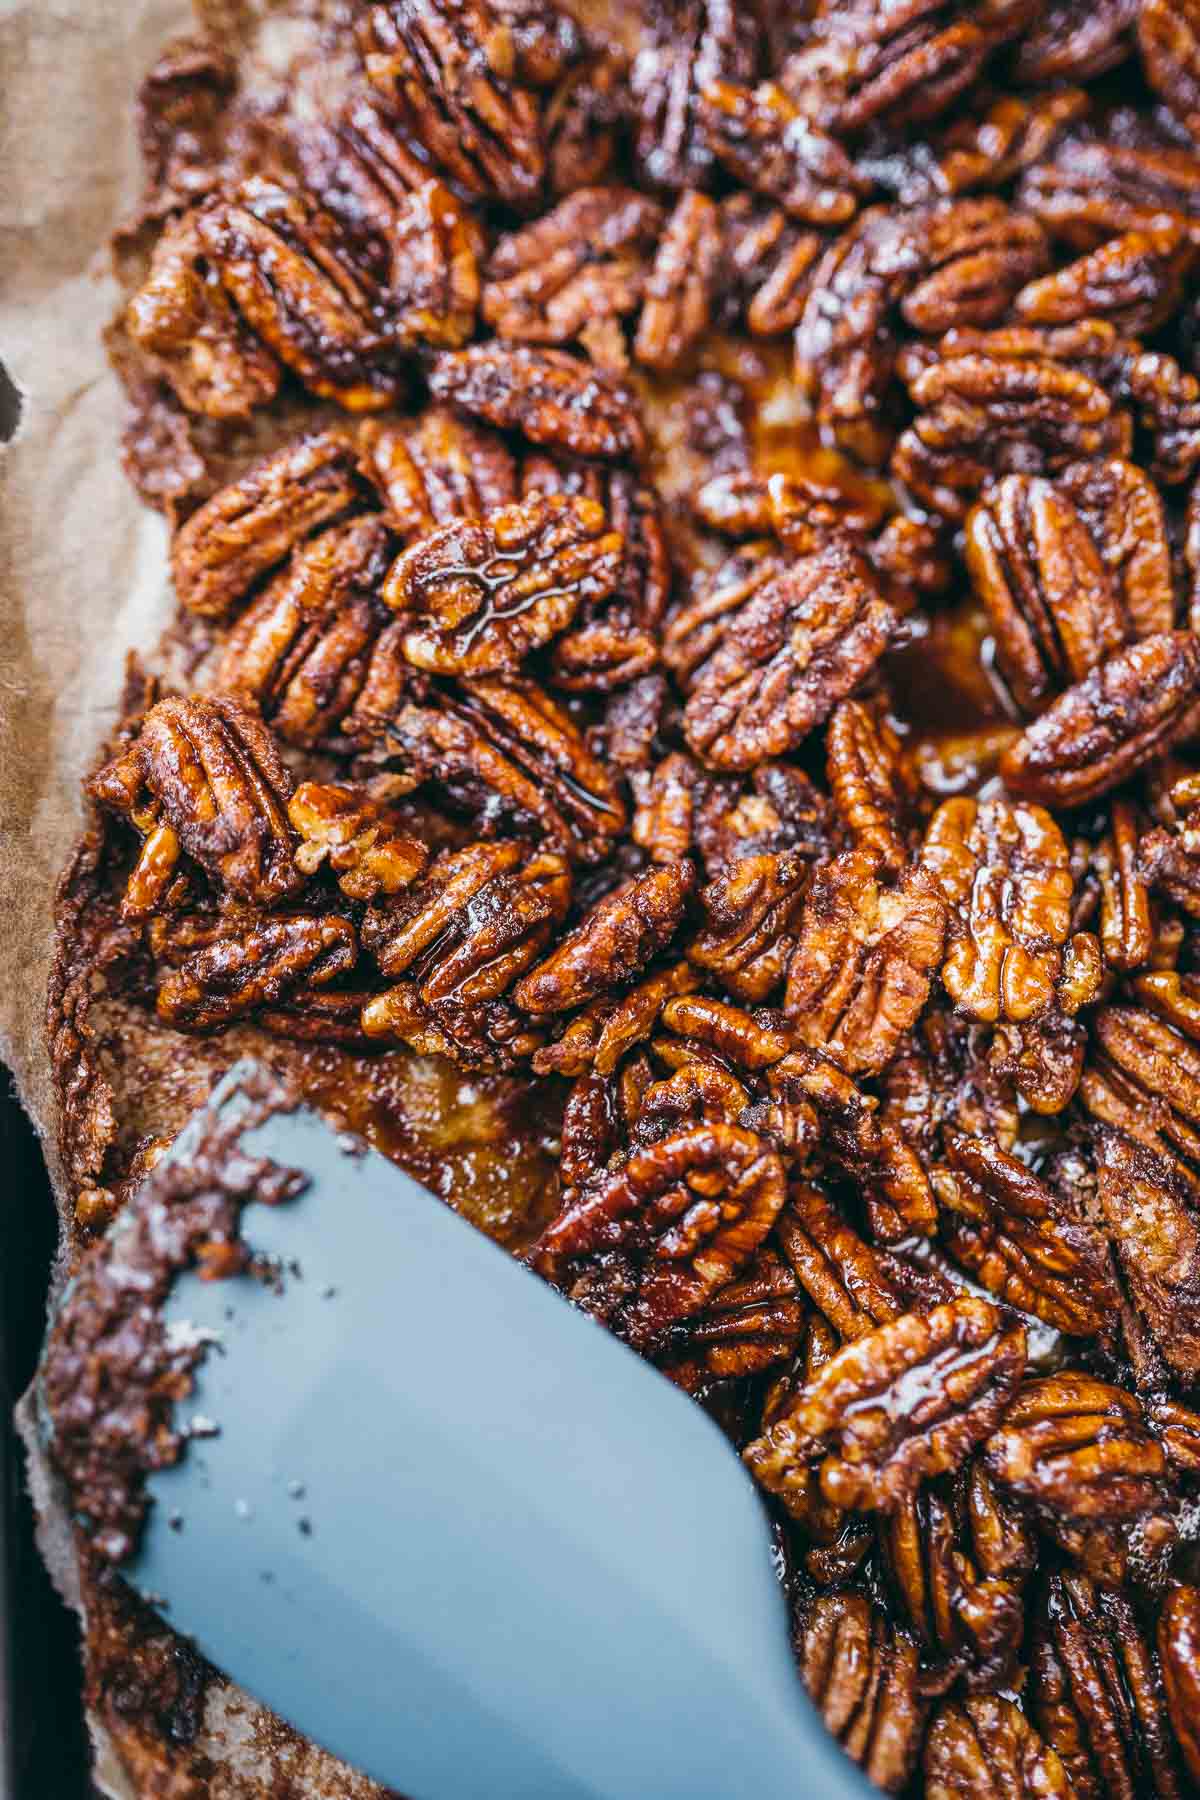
[678,729]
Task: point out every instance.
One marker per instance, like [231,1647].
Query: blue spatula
[455,1532]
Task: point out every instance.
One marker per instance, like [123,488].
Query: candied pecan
[681,284]
[751,912]
[180,110]
[993,142]
[192,336]
[1136,281]
[301,651]
[307,291]
[611,943]
[697,629]
[861,1673]
[203,778]
[435,469]
[1097,734]
[690,43]
[984,1747]
[799,508]
[1150,1209]
[242,970]
[749,1325]
[360,840]
[617,639]
[1179,1661]
[769,146]
[841,1274]
[984,411]
[483,593]
[978,254]
[460,939]
[1020,1240]
[1003,870]
[580,119]
[864,959]
[508,753]
[967,1621]
[751,1041]
[779,809]
[943,1080]
[550,396]
[652,1241]
[1168,35]
[1143,1078]
[584,260]
[249,526]
[768,261]
[1090,190]
[599,1036]
[1097,1694]
[846,338]
[871,780]
[1075,40]
[909,1400]
[1069,571]
[450,70]
[798,645]
[1126,926]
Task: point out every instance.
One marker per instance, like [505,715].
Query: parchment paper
[83,577]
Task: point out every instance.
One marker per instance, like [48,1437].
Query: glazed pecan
[681,806]
[909,1400]
[302,650]
[203,779]
[614,640]
[1091,189]
[846,338]
[244,969]
[1097,1695]
[984,1747]
[992,142]
[797,646]
[864,960]
[697,628]
[1073,40]
[1004,873]
[712,1030]
[360,841]
[1151,1212]
[861,1674]
[1126,925]
[653,1240]
[599,1036]
[1168,35]
[249,526]
[977,255]
[1020,1240]
[191,334]
[768,145]
[549,396]
[872,782]
[751,912]
[1136,281]
[435,469]
[1179,1662]
[967,1622]
[611,943]
[681,285]
[690,43]
[1069,570]
[1143,1077]
[180,110]
[507,753]
[748,1326]
[451,73]
[585,260]
[843,1276]
[460,939]
[768,261]
[481,594]
[1131,709]
[1168,856]
[943,1080]
[580,120]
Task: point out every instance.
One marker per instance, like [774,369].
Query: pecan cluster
[739,679]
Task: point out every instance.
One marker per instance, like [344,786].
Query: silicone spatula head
[447,1526]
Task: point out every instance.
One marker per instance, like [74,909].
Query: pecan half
[681,285]
[581,117]
[751,911]
[864,960]
[768,263]
[484,593]
[652,1241]
[770,146]
[584,260]
[460,939]
[549,396]
[599,1036]
[697,628]
[978,254]
[360,841]
[993,142]
[435,469]
[909,1400]
[800,644]
[1168,37]
[249,526]
[1179,1660]
[1097,734]
[612,942]
[203,779]
[872,782]
[985,1746]
[861,1673]
[691,42]
[1136,281]
[749,1325]
[843,1276]
[1151,1211]
[242,971]
[1073,41]
[1093,189]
